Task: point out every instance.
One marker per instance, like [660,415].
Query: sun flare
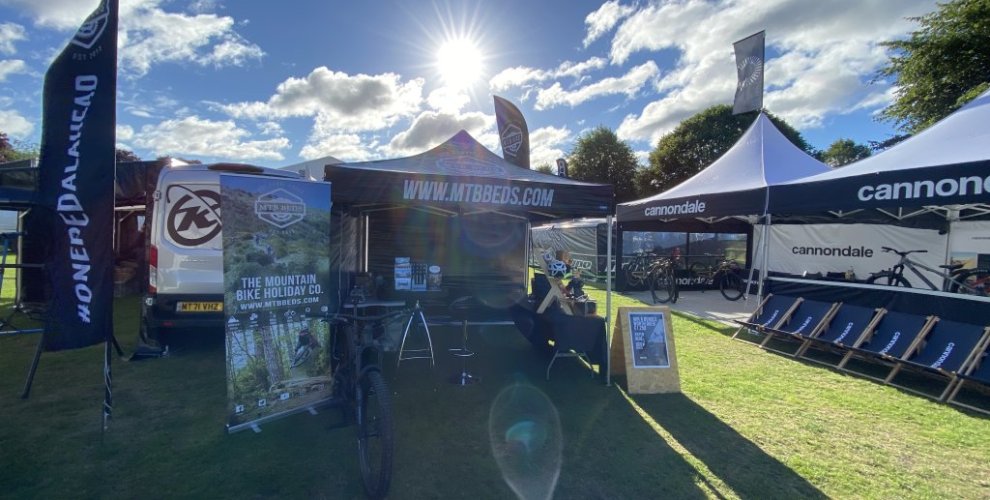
[459,62]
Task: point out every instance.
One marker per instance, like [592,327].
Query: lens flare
[525,436]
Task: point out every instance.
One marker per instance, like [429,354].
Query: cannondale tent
[734,185]
[944,168]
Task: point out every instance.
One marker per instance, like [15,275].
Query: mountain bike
[360,391]
[637,269]
[725,275]
[955,279]
[663,284]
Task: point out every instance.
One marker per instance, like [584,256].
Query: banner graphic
[76,182]
[749,70]
[276,262]
[846,248]
[513,132]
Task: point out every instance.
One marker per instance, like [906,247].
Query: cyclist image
[305,344]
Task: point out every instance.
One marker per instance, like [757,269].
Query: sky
[278,83]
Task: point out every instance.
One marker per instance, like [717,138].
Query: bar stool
[420,353]
[460,309]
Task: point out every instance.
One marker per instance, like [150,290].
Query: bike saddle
[951,267]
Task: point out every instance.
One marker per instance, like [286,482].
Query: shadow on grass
[735,460]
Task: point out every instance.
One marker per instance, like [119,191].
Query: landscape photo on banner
[276,254]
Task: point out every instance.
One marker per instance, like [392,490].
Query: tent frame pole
[608,302]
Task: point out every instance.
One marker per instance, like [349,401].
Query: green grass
[748,424]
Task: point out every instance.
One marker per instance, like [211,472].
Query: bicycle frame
[947,278]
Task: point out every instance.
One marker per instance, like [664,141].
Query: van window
[192,215]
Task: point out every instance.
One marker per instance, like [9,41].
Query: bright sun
[459,63]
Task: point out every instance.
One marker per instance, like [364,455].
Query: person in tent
[575,287]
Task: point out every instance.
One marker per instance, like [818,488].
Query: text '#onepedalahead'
[477,193]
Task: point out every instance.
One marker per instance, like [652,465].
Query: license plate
[199,307]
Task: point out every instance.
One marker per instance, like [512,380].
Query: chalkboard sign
[643,350]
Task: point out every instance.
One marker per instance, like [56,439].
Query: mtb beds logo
[280,208]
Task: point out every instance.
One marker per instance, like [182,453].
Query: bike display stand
[419,353]
[7,327]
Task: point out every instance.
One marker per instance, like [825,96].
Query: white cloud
[520,76]
[350,103]
[15,125]
[270,128]
[194,136]
[149,35]
[125,132]
[604,19]
[11,67]
[448,100]
[345,147]
[10,33]
[545,145]
[430,129]
[628,84]
[822,56]
[154,36]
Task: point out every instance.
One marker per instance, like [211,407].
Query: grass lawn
[749,424]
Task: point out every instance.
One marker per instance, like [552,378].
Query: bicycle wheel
[661,287]
[973,282]
[674,287]
[888,279]
[375,434]
[731,286]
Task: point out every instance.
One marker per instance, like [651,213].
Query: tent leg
[34,367]
[608,302]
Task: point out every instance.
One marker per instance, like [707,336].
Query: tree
[697,142]
[13,151]
[125,155]
[843,152]
[599,156]
[941,66]
[545,168]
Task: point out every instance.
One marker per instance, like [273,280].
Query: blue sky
[277,83]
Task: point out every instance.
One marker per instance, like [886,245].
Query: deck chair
[847,325]
[808,319]
[978,370]
[771,312]
[890,340]
[949,348]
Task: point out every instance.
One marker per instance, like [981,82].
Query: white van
[185,251]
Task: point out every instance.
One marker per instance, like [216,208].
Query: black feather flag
[513,133]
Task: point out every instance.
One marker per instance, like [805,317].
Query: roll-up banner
[845,248]
[276,262]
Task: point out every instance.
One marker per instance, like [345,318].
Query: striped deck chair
[978,371]
[848,324]
[771,312]
[808,319]
[891,339]
[949,348]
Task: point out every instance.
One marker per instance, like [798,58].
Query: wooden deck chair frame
[952,376]
[822,323]
[748,323]
[856,349]
[557,292]
[963,375]
[878,314]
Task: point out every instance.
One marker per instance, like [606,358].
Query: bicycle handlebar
[904,253]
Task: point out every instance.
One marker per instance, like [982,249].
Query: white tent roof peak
[762,156]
